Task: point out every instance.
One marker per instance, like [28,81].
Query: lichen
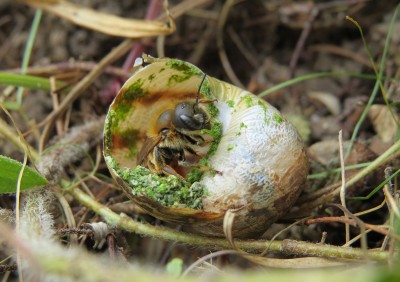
[169,191]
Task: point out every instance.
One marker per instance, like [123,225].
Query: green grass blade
[9,171]
[28,51]
[28,81]
[314,76]
[379,76]
[325,174]
[379,187]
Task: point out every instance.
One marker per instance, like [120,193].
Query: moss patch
[131,92]
[151,77]
[183,67]
[216,133]
[277,118]
[186,70]
[248,100]
[194,175]
[169,191]
[205,89]
[108,126]
[130,137]
[230,103]
[264,107]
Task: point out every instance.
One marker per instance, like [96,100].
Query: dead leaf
[382,121]
[330,101]
[102,22]
[326,152]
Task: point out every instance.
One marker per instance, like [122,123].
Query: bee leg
[208,169]
[199,167]
[167,170]
[206,101]
[162,167]
[182,162]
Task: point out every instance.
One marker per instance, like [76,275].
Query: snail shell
[260,159]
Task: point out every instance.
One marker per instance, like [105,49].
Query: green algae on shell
[169,191]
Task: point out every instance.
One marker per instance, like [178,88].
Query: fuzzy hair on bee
[178,135]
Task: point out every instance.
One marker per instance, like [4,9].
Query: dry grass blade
[102,22]
[299,263]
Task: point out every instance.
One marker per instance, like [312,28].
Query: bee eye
[187,116]
[194,122]
[164,120]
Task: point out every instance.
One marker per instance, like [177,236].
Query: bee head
[189,116]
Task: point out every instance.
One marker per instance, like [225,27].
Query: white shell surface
[257,147]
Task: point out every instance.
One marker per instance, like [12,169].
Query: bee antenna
[198,92]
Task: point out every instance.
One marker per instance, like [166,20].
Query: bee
[178,136]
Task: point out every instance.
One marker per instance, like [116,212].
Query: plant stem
[289,247]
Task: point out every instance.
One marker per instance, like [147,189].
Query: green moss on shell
[230,103]
[169,191]
[194,175]
[248,99]
[216,133]
[131,92]
[151,77]
[108,126]
[277,118]
[130,137]
[183,67]
[186,71]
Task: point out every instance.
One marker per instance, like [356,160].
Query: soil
[266,43]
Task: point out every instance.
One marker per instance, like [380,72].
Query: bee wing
[148,146]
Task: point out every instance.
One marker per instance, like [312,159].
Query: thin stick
[347,220]
[301,41]
[288,247]
[115,54]
[207,257]
[343,186]
[17,211]
[309,202]
[220,43]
